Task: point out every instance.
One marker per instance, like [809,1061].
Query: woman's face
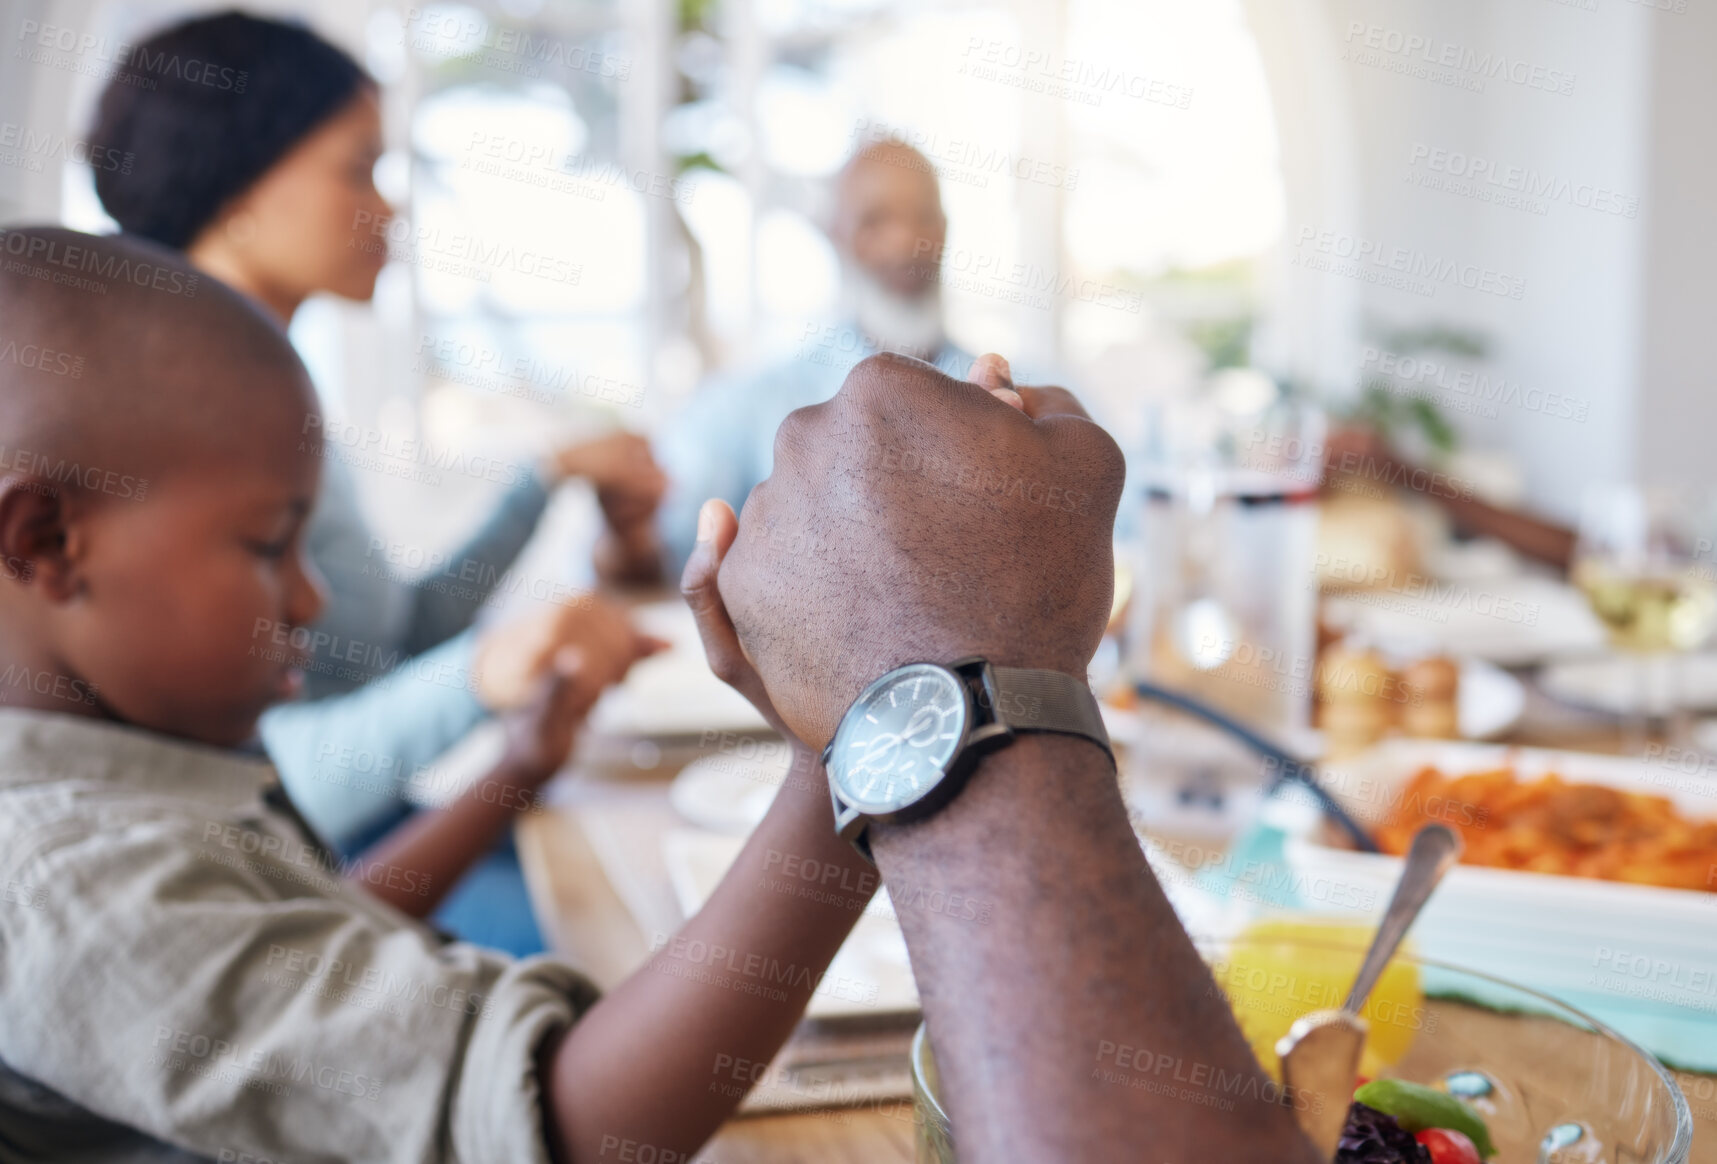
[314,222]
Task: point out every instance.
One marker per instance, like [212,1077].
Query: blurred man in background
[888,228]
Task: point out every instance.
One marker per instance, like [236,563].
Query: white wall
[1609,304]
[1677,411]
[1314,321]
[33,100]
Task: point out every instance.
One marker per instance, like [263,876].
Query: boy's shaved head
[116,354]
[155,481]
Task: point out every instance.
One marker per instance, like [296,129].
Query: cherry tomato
[1448,1146]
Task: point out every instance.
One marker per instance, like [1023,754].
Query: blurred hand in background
[513,658]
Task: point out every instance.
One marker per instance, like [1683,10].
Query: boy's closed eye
[274,540]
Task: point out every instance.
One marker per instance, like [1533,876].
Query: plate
[1607,682]
[673,693]
[730,793]
[870,974]
[1640,958]
[1512,622]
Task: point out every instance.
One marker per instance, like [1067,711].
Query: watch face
[895,743]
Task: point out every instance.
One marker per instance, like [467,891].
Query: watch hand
[924,717]
[876,748]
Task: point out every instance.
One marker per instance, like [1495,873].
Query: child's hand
[540,734]
[513,658]
[999,544]
[992,373]
[717,527]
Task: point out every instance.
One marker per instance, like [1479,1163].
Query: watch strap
[1030,700]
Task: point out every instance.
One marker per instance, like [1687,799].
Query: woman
[259,168]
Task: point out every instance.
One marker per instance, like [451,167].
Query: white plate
[729,793]
[1508,621]
[870,974]
[1641,958]
[674,693]
[1607,682]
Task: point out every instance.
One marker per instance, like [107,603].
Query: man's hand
[629,487]
[699,586]
[917,517]
[628,482]
[512,658]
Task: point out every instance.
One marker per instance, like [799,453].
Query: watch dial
[895,743]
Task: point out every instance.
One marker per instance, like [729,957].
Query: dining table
[616,792]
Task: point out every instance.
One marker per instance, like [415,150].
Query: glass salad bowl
[1553,1085]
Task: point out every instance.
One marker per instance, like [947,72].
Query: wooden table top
[587,920]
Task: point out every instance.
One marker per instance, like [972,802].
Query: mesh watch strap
[1049,701]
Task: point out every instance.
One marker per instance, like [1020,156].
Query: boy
[181,973]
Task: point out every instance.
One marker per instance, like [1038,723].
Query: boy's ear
[33,537]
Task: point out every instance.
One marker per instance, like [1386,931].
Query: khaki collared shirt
[182,975]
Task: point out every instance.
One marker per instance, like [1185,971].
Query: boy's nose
[309,593]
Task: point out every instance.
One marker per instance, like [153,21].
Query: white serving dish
[1641,958]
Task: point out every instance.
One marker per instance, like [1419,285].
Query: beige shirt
[182,975]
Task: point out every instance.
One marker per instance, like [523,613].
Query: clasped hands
[911,517]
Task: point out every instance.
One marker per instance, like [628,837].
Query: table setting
[1287,718]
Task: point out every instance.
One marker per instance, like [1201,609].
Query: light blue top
[389,688]
[723,442]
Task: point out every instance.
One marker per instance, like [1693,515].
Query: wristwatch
[910,740]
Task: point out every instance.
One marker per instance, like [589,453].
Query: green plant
[1396,415]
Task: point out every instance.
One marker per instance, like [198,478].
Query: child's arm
[655,1062]
[415,865]
[526,666]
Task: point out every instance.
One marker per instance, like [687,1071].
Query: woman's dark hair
[202,109]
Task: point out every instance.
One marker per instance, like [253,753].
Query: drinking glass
[1644,560]
[1226,538]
